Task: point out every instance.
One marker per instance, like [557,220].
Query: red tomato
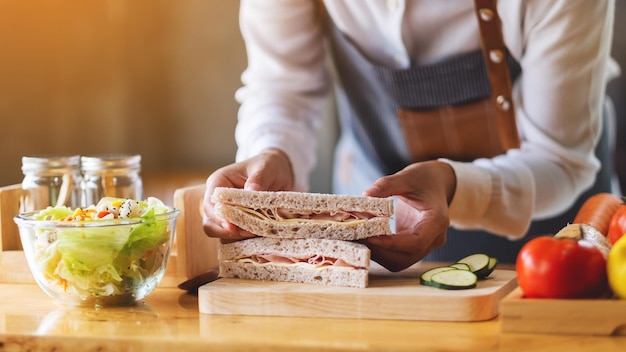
[549,267]
[617,226]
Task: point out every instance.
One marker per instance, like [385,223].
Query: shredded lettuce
[103,260]
[53,213]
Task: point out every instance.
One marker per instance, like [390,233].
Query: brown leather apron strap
[494,51]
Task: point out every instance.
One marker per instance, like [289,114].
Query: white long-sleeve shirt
[563,47]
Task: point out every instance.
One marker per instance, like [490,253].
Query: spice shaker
[111,175]
[50,181]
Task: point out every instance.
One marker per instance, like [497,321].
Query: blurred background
[154,77]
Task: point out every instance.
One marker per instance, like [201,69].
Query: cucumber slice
[478,263]
[493,261]
[461,266]
[490,267]
[456,279]
[462,274]
[425,278]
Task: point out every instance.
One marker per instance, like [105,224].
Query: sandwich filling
[287,215]
[316,261]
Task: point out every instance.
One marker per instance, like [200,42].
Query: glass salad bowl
[109,254]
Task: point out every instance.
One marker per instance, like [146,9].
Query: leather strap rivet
[486,14]
[503,102]
[496,56]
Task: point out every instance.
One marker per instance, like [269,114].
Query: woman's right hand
[267,171]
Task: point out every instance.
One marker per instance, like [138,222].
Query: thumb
[387,186]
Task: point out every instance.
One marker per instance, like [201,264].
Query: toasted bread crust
[303,201]
[303,228]
[329,276]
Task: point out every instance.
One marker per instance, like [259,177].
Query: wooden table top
[169,320]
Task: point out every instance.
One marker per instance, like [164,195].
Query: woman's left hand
[424,191]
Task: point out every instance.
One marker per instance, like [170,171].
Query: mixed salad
[106,249]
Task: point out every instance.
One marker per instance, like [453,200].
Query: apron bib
[371,101]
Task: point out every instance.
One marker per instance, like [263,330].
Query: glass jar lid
[110,162]
[41,163]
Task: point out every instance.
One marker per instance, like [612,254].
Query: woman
[426,116]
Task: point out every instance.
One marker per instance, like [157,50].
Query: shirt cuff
[475,206]
[472,195]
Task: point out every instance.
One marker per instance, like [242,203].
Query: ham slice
[336,215]
[316,260]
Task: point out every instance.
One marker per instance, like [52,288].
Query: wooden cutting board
[562,316]
[397,296]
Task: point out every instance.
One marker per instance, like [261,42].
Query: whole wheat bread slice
[333,277]
[302,201]
[230,201]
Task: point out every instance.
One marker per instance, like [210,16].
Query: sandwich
[302,237]
[303,260]
[304,215]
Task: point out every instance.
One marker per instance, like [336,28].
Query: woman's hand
[424,191]
[268,171]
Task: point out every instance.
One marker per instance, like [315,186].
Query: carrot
[597,211]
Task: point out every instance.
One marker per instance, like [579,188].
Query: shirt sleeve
[285,83]
[563,48]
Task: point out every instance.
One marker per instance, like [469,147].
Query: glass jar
[50,181]
[112,175]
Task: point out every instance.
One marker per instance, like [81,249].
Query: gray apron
[372,144]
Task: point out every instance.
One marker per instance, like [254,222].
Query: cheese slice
[274,215]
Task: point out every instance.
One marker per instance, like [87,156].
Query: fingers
[420,228]
[387,186]
[215,226]
[261,181]
[269,170]
[224,230]
[398,252]
[385,252]
[408,243]
[409,179]
[212,224]
[390,260]
[424,179]
[420,217]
